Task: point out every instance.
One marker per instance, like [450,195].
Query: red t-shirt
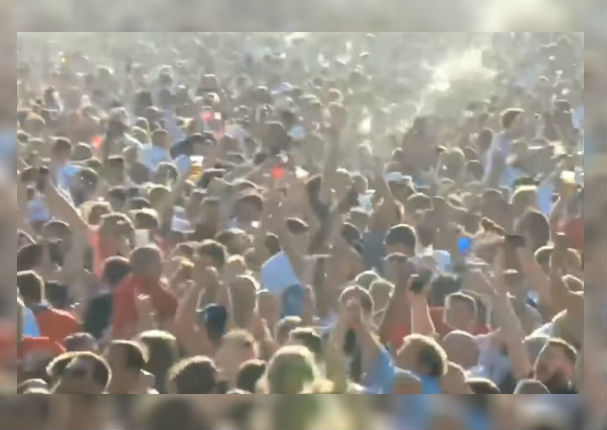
[125,310]
[574,230]
[56,324]
[39,345]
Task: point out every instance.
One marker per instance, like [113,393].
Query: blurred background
[199,412]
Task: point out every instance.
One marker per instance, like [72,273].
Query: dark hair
[138,203]
[225,236]
[162,352]
[402,234]
[193,375]
[484,139]
[146,220]
[272,243]
[30,285]
[115,269]
[483,386]
[115,161]
[441,287]
[425,234]
[89,175]
[249,374]
[119,193]
[57,294]
[30,256]
[62,145]
[283,328]
[252,199]
[215,250]
[135,358]
[297,226]
[350,233]
[101,370]
[543,254]
[431,356]
[309,338]
[537,226]
[508,116]
[418,201]
[75,341]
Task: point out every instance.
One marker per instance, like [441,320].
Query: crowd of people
[310,213]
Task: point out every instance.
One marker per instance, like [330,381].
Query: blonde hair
[291,371]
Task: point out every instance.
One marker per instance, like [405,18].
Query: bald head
[461,348]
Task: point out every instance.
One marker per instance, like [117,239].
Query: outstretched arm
[398,312]
[538,280]
[61,208]
[296,259]
[192,335]
[421,320]
[512,330]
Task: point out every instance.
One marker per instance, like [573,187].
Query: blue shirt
[152,156]
[277,274]
[430,385]
[30,326]
[379,379]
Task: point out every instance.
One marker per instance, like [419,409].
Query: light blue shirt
[379,379]
[277,274]
[30,326]
[152,156]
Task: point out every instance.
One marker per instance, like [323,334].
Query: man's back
[55,324]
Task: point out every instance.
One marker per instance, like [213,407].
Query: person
[555,367]
[291,371]
[460,312]
[80,373]
[237,347]
[513,125]
[98,314]
[145,278]
[126,360]
[194,375]
[53,323]
[162,353]
[426,359]
[461,348]
[291,211]
[249,375]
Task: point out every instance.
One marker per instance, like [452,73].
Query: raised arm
[397,312]
[329,167]
[421,320]
[514,336]
[62,209]
[538,280]
[296,259]
[381,183]
[166,206]
[192,335]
